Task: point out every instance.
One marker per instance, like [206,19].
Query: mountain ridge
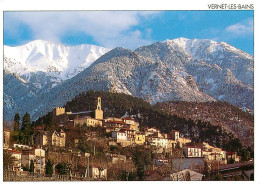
[158,72]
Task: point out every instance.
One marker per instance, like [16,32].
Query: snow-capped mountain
[56,61]
[179,69]
[38,66]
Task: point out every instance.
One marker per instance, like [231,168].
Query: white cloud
[108,28]
[244,27]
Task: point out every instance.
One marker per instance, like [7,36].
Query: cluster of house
[25,156]
[124,131]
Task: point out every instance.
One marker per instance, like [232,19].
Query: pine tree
[49,170]
[17,122]
[26,128]
[16,130]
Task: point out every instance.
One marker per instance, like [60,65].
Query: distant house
[174,135]
[7,134]
[17,158]
[139,138]
[58,138]
[114,124]
[96,172]
[115,158]
[27,156]
[232,155]
[207,147]
[88,121]
[208,155]
[150,131]
[182,141]
[158,142]
[37,156]
[130,134]
[211,153]
[192,150]
[41,138]
[133,125]
[186,175]
[121,137]
[54,138]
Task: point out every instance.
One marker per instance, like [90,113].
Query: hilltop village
[89,146]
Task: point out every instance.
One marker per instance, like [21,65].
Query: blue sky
[129,29]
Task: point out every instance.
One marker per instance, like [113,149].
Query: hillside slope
[119,104]
[229,117]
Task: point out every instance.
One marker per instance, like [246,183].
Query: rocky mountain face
[178,70]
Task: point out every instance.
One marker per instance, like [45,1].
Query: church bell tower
[98,111]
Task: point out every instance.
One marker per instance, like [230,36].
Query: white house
[119,135]
[192,151]
[156,141]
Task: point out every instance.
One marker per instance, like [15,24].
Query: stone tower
[98,111]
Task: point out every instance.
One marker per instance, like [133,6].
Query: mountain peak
[53,59]
[180,69]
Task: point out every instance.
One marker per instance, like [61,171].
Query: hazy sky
[128,29]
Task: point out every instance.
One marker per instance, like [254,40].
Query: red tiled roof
[117,122]
[14,151]
[194,145]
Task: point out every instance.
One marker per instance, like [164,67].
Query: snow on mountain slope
[55,60]
[180,69]
[218,53]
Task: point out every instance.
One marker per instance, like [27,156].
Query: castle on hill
[72,119]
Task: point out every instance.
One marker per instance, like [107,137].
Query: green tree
[245,155]
[49,170]
[142,159]
[16,130]
[61,168]
[17,122]
[26,129]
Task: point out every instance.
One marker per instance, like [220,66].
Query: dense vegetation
[230,118]
[117,105]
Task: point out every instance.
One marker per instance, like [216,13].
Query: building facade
[44,138]
[7,134]
[98,111]
[139,138]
